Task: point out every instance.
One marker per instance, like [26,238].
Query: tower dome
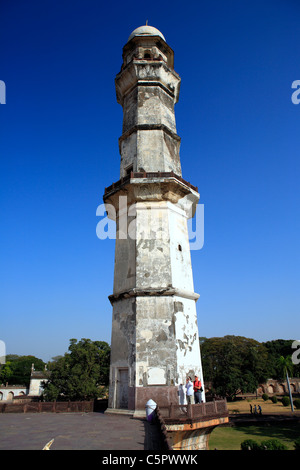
[146,31]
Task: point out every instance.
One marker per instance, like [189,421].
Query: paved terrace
[76,431]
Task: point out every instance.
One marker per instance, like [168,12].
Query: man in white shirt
[189,391]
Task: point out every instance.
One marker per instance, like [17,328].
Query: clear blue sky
[59,149]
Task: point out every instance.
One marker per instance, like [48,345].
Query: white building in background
[10,392]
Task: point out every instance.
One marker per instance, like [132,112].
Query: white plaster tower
[155,342]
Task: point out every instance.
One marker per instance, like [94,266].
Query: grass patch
[230,438]
[243,406]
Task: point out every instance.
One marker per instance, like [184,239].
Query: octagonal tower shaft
[147,88]
[155,342]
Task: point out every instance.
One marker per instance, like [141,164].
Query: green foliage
[234,364]
[269,444]
[285,366]
[5,373]
[265,397]
[276,349]
[297,403]
[285,401]
[272,444]
[297,444]
[274,399]
[79,374]
[250,444]
[19,369]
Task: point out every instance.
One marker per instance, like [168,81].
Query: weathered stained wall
[149,141]
[154,327]
[148,104]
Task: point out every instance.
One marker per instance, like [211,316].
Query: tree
[78,374]
[276,349]
[5,372]
[20,367]
[234,364]
[286,368]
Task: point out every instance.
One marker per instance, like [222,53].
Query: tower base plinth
[163,395]
[193,436]
[188,427]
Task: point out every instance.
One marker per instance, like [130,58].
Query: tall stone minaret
[155,342]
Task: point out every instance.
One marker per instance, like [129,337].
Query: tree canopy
[277,349]
[234,364]
[17,369]
[78,374]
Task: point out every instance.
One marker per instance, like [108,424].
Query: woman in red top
[197,390]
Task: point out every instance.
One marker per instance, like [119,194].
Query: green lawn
[230,438]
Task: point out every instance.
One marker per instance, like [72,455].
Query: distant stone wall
[48,407]
[276,387]
[10,392]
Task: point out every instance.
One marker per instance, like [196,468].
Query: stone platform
[77,431]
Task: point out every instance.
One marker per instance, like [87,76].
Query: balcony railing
[199,412]
[144,174]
